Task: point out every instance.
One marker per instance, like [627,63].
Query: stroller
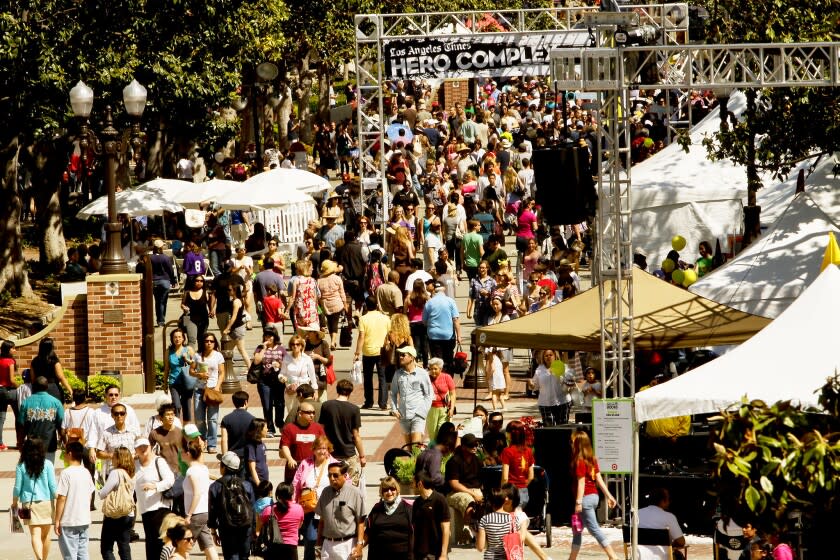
[537,510]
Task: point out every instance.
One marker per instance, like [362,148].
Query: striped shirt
[496,525]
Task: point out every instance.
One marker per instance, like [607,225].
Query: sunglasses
[118,413]
[389,489]
[306,412]
[334,475]
[113,395]
[191,539]
[209,341]
[296,344]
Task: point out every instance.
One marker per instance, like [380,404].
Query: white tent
[790,359]
[678,193]
[133,202]
[282,180]
[769,274]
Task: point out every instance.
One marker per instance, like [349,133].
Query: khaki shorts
[460,501]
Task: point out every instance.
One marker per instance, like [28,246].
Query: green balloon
[677,276]
[668,266]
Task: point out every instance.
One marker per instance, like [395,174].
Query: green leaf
[766,485]
[753,497]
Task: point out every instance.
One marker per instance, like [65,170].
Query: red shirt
[519,461]
[6,372]
[588,473]
[272,309]
[441,386]
[299,440]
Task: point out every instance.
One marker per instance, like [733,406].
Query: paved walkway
[379,430]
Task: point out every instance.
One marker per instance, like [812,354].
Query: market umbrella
[208,191]
[133,202]
[398,132]
[281,179]
[263,196]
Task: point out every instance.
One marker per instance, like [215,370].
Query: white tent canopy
[790,359]
[133,202]
[678,193]
[769,274]
[283,180]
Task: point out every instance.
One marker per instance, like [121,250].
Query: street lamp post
[134,98]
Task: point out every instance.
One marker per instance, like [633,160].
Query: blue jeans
[73,542]
[181,399]
[273,405]
[160,291]
[590,521]
[207,419]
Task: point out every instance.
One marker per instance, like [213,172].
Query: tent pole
[634,495]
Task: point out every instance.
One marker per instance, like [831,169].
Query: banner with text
[472,56]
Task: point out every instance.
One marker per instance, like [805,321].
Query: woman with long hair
[530,257]
[256,459]
[454,229]
[388,529]
[34,492]
[117,529]
[493,526]
[318,349]
[399,335]
[588,479]
[209,367]
[334,301]
[415,302]
[303,296]
[8,395]
[311,476]
[270,355]
[517,460]
[507,290]
[176,370]
[297,369]
[235,328]
[196,497]
[47,364]
[182,540]
[169,521]
[195,313]
[480,294]
[289,520]
[401,250]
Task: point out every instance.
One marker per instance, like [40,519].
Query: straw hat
[328,267]
[333,195]
[462,148]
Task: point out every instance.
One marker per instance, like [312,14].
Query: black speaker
[565,189]
[553,452]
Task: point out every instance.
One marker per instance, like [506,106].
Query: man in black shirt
[430,516]
[342,421]
[221,306]
[353,267]
[406,197]
[494,440]
[235,425]
[462,474]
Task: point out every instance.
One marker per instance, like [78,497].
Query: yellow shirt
[375,325]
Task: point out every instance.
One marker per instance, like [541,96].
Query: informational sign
[612,424]
[476,55]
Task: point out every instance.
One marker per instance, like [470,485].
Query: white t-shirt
[199,473]
[549,387]
[76,484]
[185,168]
[300,371]
[212,361]
[654,517]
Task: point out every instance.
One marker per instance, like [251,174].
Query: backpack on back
[237,512]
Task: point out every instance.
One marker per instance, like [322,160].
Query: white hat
[230,460]
[140,442]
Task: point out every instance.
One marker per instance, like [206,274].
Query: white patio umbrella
[133,202]
[208,191]
[289,179]
[262,197]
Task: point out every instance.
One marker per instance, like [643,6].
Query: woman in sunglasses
[209,367]
[182,539]
[388,529]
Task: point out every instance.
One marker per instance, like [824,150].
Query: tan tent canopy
[665,316]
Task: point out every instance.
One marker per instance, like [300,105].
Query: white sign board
[612,425]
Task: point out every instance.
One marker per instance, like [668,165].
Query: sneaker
[134,536]
[3,447]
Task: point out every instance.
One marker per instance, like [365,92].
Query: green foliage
[97,384]
[405,466]
[777,458]
[790,123]
[159,377]
[75,383]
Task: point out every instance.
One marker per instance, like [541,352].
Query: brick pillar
[455,91]
[115,333]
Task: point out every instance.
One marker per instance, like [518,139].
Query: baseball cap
[230,460]
[408,350]
[140,442]
[191,431]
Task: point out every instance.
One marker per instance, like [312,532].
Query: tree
[189,54]
[776,459]
[781,126]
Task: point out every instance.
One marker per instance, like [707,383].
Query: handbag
[308,500]
[513,542]
[270,535]
[255,372]
[330,374]
[213,397]
[577,523]
[345,336]
[120,501]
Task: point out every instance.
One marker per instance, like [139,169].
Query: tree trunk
[752,212]
[156,162]
[46,183]
[13,276]
[283,111]
[324,80]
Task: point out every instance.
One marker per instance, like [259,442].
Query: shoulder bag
[120,501]
[513,542]
[213,397]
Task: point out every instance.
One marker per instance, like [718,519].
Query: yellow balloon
[678,243]
[668,266]
[678,276]
[558,368]
[690,277]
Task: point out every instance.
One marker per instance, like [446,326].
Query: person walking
[289,517]
[176,370]
[270,354]
[231,509]
[195,311]
[72,505]
[373,328]
[412,394]
[209,367]
[341,512]
[589,480]
[153,478]
[309,482]
[41,416]
[389,529]
[443,403]
[443,325]
[8,396]
[117,529]
[342,421]
[163,278]
[34,494]
[196,497]
[299,436]
[430,515]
